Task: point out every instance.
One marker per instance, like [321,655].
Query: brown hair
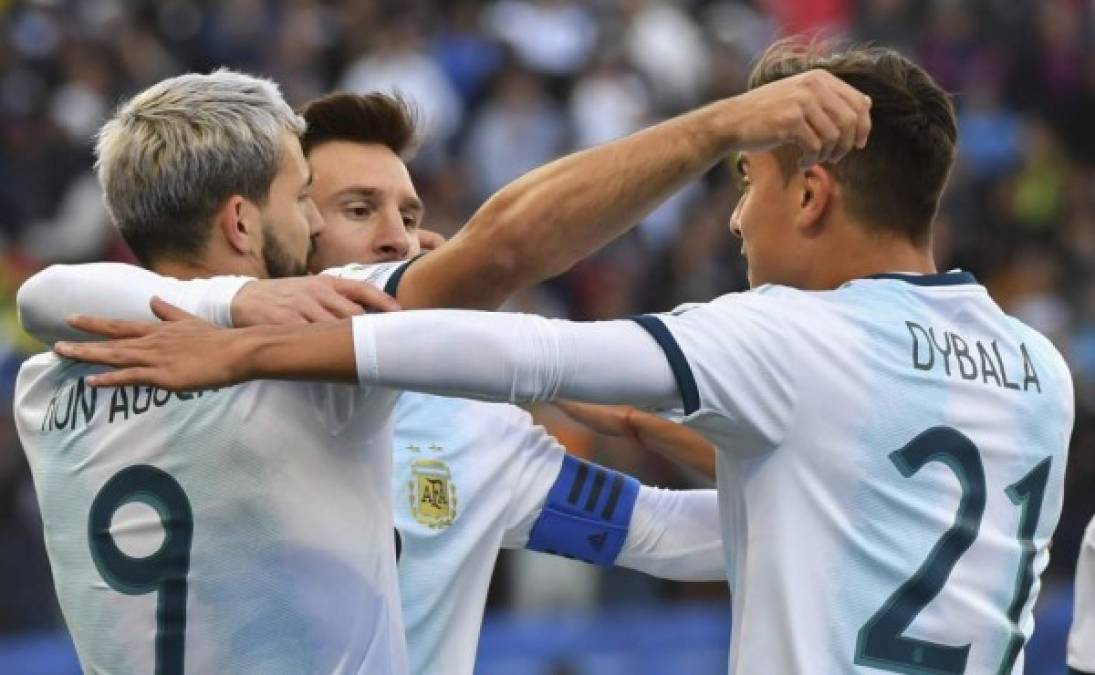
[895,182]
[361,118]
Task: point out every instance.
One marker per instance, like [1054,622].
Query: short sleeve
[337,404]
[385,276]
[733,360]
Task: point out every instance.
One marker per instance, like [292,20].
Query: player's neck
[210,265]
[864,256]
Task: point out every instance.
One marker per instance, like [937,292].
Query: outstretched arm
[487,355]
[544,222]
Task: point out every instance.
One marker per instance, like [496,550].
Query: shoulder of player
[377,274]
[416,410]
[1041,346]
[782,308]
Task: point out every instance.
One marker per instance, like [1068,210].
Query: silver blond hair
[173,153]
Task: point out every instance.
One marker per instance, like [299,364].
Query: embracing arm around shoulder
[121,291]
[115,290]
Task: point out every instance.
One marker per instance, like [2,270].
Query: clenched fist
[816,112]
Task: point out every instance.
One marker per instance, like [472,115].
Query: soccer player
[892,445]
[1081,637]
[472,477]
[278,544]
[469,477]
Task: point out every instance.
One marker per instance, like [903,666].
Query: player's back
[890,481]
[243,530]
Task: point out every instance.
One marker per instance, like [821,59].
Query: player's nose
[316,223]
[392,241]
[735,221]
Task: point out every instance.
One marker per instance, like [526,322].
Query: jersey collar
[951,278]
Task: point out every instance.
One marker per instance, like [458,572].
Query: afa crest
[432,493]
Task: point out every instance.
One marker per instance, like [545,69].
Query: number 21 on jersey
[881,643]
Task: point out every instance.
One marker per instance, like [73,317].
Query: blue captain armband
[586,514]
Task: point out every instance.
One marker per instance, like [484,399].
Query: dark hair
[895,182]
[361,118]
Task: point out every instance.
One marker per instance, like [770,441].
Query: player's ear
[238,221]
[816,194]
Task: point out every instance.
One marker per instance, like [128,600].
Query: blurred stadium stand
[504,86]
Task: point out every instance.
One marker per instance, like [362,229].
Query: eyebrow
[412,203]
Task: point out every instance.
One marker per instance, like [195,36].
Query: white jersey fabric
[891,454]
[241,530]
[1081,637]
[471,478]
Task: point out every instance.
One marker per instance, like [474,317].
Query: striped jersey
[472,477]
[241,530]
[890,470]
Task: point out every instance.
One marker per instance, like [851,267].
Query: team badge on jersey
[432,493]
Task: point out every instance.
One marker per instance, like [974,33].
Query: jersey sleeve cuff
[215,304]
[364,350]
[678,363]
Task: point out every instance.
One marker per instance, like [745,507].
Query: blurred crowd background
[504,86]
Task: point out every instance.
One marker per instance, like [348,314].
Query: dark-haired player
[892,444]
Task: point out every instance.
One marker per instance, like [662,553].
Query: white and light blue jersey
[891,468]
[242,530]
[1081,636]
[471,478]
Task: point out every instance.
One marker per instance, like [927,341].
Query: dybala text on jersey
[955,356]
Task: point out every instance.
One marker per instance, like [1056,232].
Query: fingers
[110,328]
[610,420]
[836,115]
[168,312]
[314,312]
[809,143]
[116,354]
[127,376]
[339,306]
[844,117]
[367,296]
[429,240]
[860,105]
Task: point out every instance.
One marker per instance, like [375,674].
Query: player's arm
[671,440]
[486,355]
[603,517]
[116,290]
[568,506]
[123,291]
[544,222]
[734,358]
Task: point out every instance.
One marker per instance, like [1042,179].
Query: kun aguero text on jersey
[951,353]
[76,402]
